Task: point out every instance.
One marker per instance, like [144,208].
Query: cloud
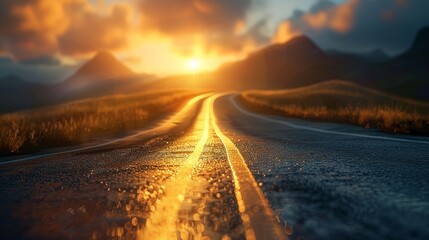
[213,24]
[34,28]
[43,60]
[321,6]
[257,33]
[29,28]
[359,25]
[91,32]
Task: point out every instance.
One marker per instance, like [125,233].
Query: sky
[163,36]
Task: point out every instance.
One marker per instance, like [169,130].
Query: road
[216,171]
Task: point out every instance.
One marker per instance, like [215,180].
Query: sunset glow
[214,119]
[194,64]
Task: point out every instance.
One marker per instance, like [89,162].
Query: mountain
[376,55]
[421,44]
[101,75]
[103,66]
[17,94]
[296,63]
[373,56]
[407,74]
[300,62]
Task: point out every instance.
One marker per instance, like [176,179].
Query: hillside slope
[407,74]
[102,75]
[103,66]
[296,63]
[341,101]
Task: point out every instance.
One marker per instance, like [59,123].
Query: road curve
[257,216]
[194,186]
[286,123]
[334,181]
[231,174]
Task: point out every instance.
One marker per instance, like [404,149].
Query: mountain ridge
[102,66]
[407,74]
[282,65]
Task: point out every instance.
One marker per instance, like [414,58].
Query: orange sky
[158,37]
[161,37]
[158,54]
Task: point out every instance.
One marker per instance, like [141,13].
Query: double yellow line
[255,211]
[256,214]
[161,224]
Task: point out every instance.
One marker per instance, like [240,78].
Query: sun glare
[194,64]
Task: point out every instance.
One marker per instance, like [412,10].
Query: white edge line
[296,126]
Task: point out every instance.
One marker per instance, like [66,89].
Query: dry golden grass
[76,122]
[340,101]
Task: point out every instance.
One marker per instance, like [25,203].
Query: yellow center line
[257,216]
[161,224]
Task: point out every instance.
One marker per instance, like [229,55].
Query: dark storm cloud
[184,16]
[90,32]
[321,5]
[43,60]
[35,28]
[28,28]
[360,25]
[258,33]
[218,22]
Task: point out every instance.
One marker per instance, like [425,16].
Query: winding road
[214,170]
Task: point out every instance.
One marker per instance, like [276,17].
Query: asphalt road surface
[216,171]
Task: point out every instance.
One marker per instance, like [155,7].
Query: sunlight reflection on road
[162,222]
[256,214]
[169,188]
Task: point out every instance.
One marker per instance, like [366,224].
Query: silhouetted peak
[377,51]
[103,55]
[421,43]
[103,58]
[102,66]
[376,55]
[301,45]
[301,40]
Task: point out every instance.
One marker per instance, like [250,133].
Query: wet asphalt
[321,186]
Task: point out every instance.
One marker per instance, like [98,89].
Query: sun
[194,64]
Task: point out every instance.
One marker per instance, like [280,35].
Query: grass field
[77,122]
[339,101]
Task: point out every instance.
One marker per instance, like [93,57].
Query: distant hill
[376,55]
[407,74]
[101,75]
[103,66]
[420,47]
[18,94]
[299,62]
[347,102]
[296,63]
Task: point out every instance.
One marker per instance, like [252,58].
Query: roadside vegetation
[339,101]
[79,121]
